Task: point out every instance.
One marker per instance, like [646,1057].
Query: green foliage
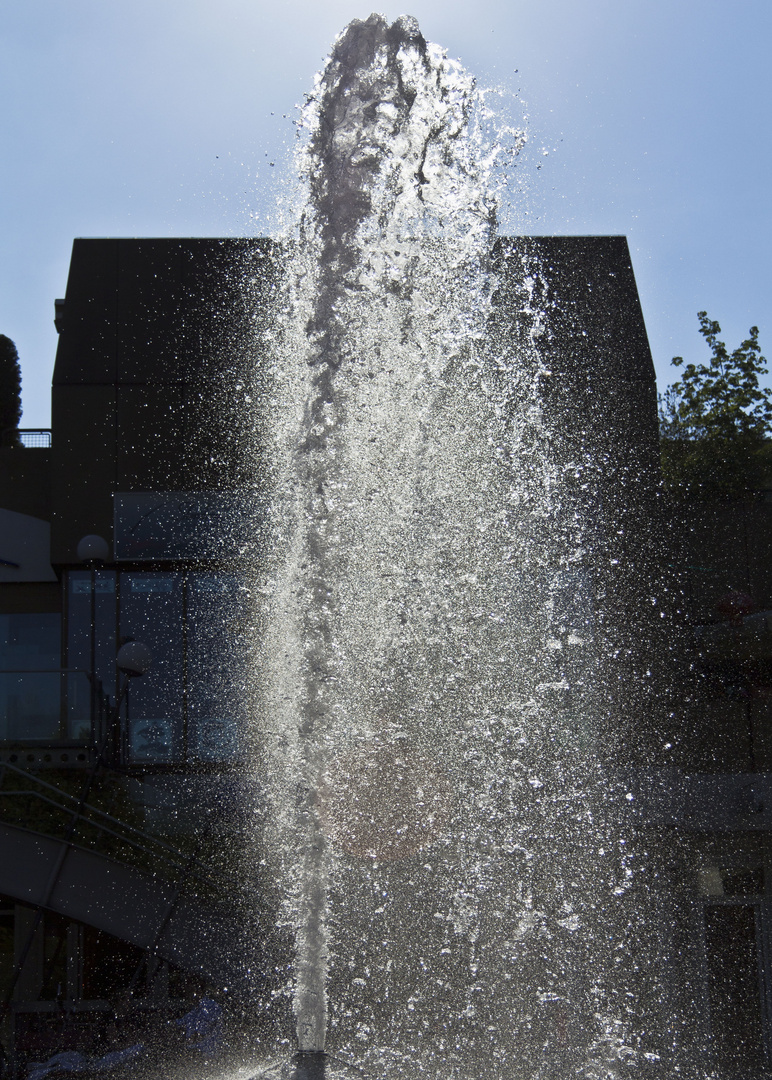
[10,385]
[716,420]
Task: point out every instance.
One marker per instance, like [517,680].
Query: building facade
[125,796]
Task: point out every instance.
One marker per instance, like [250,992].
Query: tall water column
[441,723]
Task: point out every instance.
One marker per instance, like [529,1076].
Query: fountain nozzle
[307,1065]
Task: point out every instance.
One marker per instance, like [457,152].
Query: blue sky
[140,118]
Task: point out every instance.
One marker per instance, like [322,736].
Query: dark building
[117,792]
[714,796]
[115,796]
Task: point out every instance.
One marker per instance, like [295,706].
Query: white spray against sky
[447,838]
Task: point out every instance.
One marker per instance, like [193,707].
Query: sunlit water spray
[450,842]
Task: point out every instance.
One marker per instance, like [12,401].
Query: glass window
[30,706]
[217,625]
[190,704]
[30,641]
[180,524]
[151,611]
[91,599]
[77,691]
[30,679]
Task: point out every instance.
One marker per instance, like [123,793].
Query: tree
[716,420]
[10,386]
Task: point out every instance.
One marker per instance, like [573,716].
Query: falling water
[446,823]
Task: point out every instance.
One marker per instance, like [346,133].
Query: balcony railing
[30,438]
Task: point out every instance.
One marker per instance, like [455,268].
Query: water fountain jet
[435,623]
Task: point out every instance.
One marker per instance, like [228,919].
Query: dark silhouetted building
[119,795]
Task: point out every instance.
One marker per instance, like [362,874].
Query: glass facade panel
[30,641]
[91,600]
[30,706]
[152,611]
[189,706]
[76,686]
[30,679]
[216,637]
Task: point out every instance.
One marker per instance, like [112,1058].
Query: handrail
[138,839]
[69,843]
[102,828]
[92,809]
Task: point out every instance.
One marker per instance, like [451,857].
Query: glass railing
[43,706]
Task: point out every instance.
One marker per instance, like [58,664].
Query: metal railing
[30,438]
[28,802]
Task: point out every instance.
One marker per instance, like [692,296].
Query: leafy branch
[10,387]
[716,420]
